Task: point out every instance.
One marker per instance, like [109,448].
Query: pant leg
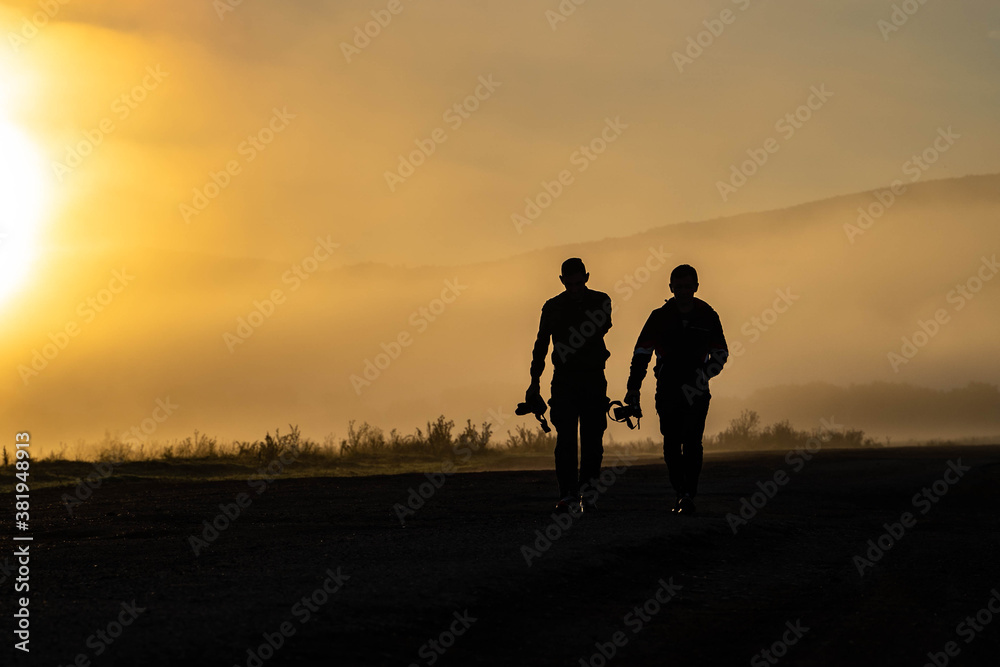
[682,424]
[593,424]
[672,416]
[565,416]
[693,453]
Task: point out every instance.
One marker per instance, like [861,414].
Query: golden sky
[208,145]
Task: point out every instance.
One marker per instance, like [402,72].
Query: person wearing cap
[576,321]
[686,335]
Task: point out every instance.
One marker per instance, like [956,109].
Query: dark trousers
[578,399]
[682,424]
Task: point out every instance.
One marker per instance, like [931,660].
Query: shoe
[588,506]
[685,505]
[568,504]
[677,506]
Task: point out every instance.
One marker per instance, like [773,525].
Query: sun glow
[22,203]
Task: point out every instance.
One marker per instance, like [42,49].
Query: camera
[625,413]
[536,406]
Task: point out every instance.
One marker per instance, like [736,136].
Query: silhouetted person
[686,335]
[576,321]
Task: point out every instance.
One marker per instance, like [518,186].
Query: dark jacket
[685,345]
[577,331]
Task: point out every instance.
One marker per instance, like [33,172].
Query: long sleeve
[645,346]
[606,307]
[541,347]
[718,352]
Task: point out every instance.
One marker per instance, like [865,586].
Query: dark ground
[462,551]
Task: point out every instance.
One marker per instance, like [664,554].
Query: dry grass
[369,445]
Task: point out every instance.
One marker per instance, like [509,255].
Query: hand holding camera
[534,404]
[630,409]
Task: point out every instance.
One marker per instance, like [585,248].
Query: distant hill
[847,304]
[881,409]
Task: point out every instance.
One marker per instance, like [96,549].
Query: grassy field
[368,450]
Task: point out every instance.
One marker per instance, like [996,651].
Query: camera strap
[627,419]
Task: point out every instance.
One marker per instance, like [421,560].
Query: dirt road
[325,568]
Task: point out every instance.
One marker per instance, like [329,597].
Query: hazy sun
[22,198]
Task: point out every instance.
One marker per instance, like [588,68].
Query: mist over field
[873,325]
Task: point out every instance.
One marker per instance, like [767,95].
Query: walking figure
[576,321]
[686,335]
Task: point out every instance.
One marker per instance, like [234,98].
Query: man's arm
[718,351]
[645,346]
[541,347]
[606,307]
